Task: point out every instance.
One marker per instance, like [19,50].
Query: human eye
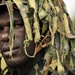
[16,26]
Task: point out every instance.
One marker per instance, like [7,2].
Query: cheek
[19,34]
[1,43]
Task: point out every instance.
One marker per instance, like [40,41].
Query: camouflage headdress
[50,33]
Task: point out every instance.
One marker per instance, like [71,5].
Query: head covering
[49,21]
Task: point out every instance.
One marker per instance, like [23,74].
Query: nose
[5,35]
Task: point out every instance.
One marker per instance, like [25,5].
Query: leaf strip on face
[9,5]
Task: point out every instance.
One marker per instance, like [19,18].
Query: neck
[23,71]
[28,67]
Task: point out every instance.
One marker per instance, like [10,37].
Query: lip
[7,51]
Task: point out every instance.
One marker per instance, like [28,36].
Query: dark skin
[23,64]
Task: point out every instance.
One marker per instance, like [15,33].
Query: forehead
[4,13]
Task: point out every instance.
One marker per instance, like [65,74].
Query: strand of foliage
[24,10]
[10,10]
[34,5]
[54,17]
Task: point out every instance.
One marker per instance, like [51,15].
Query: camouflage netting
[51,33]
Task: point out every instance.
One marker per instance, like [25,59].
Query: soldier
[32,37]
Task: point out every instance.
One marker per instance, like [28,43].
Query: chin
[14,62]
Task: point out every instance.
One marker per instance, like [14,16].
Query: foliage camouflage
[51,33]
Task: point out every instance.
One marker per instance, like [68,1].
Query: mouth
[6,51]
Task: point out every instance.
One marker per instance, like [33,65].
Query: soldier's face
[18,53]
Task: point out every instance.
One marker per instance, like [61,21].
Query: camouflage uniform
[59,53]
